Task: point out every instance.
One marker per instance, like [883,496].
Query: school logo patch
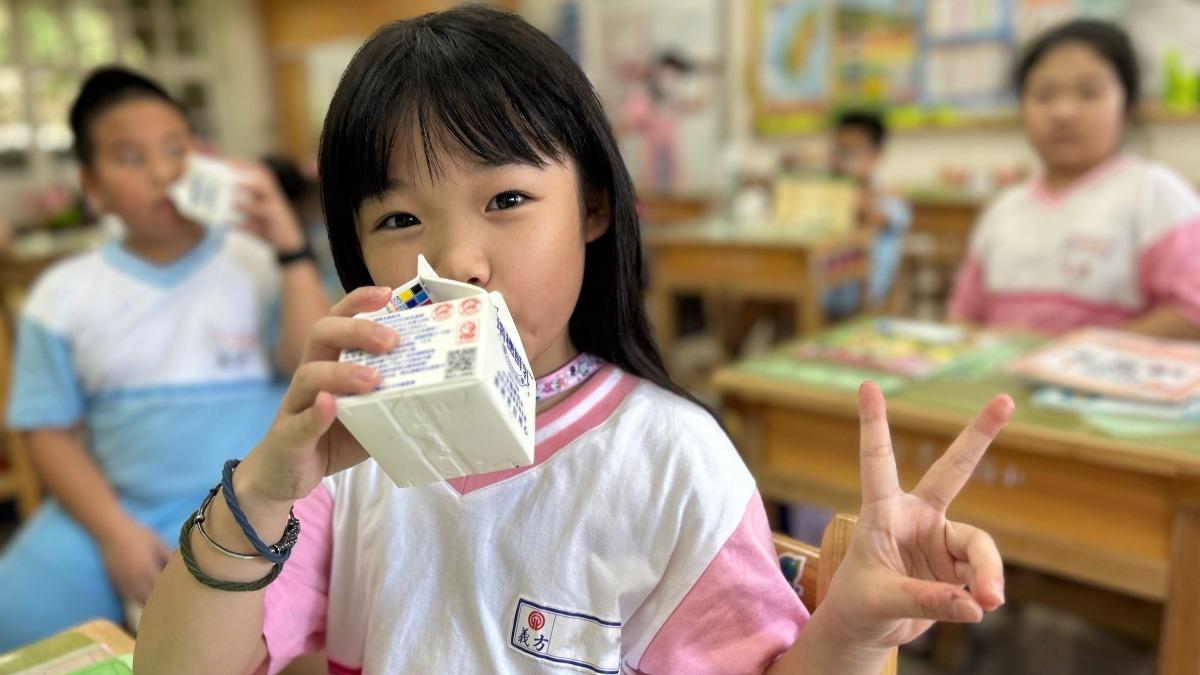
[570,639]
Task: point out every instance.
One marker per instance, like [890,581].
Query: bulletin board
[926,63]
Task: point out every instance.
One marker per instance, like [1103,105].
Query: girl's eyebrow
[395,185]
[511,163]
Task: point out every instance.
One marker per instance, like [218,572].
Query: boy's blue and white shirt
[168,368]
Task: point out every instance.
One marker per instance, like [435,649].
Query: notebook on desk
[66,653]
[1121,365]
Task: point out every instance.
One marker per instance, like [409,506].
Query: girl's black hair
[506,93]
[1108,40]
[104,88]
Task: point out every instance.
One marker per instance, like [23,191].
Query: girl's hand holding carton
[456,397]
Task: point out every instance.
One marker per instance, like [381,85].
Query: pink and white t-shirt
[636,543]
[1120,241]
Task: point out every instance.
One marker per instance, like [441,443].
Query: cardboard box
[457,395]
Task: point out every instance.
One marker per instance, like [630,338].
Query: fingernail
[963,606]
[998,587]
[366,375]
[386,335]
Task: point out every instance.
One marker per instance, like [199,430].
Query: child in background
[1101,237]
[637,541]
[859,138]
[140,366]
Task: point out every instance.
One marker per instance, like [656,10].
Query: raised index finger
[362,299]
[877,463]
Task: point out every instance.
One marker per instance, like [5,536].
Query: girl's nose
[463,261]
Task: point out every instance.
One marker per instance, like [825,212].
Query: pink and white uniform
[636,543]
[1122,240]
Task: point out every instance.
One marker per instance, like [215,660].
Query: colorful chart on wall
[926,62]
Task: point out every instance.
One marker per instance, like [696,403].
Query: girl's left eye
[506,200]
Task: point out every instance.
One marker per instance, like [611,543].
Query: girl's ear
[598,216]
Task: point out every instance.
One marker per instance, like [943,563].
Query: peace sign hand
[907,566]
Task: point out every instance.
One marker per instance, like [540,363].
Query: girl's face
[1073,108]
[138,149]
[515,228]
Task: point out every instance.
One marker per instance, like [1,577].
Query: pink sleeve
[1169,269]
[738,617]
[295,604]
[967,300]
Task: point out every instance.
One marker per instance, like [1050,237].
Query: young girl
[142,365]
[637,541]
[1101,237]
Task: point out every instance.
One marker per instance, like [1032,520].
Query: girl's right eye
[397,221]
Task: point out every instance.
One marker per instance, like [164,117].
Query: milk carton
[208,191]
[457,394]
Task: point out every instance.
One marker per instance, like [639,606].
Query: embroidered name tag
[567,638]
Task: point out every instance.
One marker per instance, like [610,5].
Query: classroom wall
[245,118]
[303,35]
[914,157]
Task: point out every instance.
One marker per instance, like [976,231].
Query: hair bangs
[439,103]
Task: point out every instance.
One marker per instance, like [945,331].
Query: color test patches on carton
[413,295]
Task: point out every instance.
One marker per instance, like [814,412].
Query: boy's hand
[265,209]
[908,566]
[134,557]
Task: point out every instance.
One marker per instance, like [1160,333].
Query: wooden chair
[18,481]
[23,483]
[817,565]
[17,477]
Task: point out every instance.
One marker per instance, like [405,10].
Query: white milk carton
[457,394]
[208,191]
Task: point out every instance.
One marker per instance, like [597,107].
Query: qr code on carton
[460,362]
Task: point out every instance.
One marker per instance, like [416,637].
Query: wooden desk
[1056,495]
[750,263]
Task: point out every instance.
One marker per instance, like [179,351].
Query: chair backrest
[811,568]
[18,480]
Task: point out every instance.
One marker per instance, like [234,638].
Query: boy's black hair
[486,80]
[1109,41]
[104,88]
[670,58]
[871,123]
